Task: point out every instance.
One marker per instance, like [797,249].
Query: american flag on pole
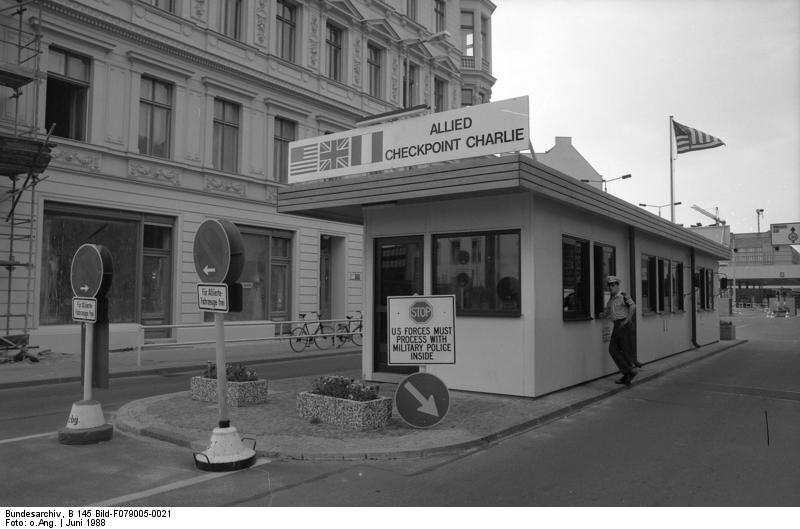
[689,139]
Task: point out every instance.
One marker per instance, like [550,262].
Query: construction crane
[717,221]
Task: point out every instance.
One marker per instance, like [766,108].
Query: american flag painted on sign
[334,154]
[304,159]
[689,139]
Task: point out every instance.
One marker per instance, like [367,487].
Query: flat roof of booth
[342,199]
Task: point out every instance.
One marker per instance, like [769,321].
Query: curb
[173,369]
[458,448]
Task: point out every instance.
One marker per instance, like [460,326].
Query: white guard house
[524,248]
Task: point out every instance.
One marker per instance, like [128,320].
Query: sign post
[422,333]
[90,275]
[218,261]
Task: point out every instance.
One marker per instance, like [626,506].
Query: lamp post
[605,182]
[759,214]
[405,43]
[659,207]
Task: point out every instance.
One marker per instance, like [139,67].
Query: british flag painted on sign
[334,154]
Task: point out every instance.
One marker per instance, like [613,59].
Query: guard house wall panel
[569,352]
[662,333]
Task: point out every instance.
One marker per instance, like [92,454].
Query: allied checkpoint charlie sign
[421,330]
[480,130]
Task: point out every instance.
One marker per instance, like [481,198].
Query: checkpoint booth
[524,250]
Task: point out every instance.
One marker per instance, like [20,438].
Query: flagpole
[671,176]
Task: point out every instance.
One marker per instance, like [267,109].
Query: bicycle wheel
[299,339]
[324,342]
[341,335]
[357,337]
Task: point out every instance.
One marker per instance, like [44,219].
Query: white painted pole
[87,360]
[222,380]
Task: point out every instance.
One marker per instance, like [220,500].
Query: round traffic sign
[422,400]
[91,271]
[218,251]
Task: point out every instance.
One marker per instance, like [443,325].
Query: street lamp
[659,207]
[604,181]
[759,214]
[405,43]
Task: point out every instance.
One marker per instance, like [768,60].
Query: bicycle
[322,336]
[351,330]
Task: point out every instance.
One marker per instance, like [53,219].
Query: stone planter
[347,414]
[238,393]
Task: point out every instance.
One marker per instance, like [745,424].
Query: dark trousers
[621,347]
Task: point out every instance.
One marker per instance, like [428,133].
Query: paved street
[721,432]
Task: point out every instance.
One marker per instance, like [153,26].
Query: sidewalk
[473,420]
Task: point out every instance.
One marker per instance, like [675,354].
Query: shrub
[233,372]
[344,388]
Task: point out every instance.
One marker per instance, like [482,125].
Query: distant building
[564,157]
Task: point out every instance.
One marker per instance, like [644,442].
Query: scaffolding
[24,156]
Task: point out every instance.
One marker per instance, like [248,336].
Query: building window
[482,270]
[467,97]
[155,117]
[226,136]
[605,264]
[374,67]
[230,18]
[575,277]
[649,284]
[411,9]
[131,238]
[485,38]
[166,5]
[285,132]
[410,84]
[439,94]
[468,33]
[664,286]
[67,94]
[265,278]
[439,10]
[286,29]
[333,43]
[679,288]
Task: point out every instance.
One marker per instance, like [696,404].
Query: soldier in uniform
[621,310]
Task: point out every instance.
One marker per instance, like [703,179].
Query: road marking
[172,486]
[26,437]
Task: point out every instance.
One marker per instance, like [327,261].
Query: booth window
[482,270]
[575,278]
[679,284]
[649,284]
[605,264]
[704,281]
[664,286]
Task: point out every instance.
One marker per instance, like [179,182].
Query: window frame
[411,9]
[151,105]
[221,124]
[439,94]
[280,148]
[230,18]
[489,235]
[583,289]
[439,15]
[160,4]
[78,100]
[601,293]
[334,45]
[374,70]
[286,30]
[467,47]
[649,283]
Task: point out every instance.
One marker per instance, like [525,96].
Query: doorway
[399,270]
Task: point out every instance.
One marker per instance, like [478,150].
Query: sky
[610,73]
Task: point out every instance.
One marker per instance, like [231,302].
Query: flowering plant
[233,372]
[344,388]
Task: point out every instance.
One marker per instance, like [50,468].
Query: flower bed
[238,393]
[345,413]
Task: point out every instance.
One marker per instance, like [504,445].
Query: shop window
[286,29]
[138,292]
[265,277]
[575,278]
[226,136]
[155,117]
[67,94]
[482,270]
[605,264]
[649,284]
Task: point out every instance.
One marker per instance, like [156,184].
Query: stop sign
[420,311]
